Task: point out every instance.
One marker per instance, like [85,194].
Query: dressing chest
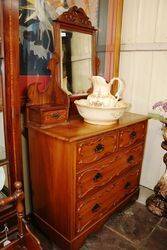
[81,173]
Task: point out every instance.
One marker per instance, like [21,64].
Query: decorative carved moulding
[75,16]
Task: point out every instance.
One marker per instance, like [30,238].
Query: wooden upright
[10,104]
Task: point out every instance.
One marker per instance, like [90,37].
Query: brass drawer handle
[99,148]
[127,185]
[97,176]
[55,115]
[130,159]
[95,208]
[133,135]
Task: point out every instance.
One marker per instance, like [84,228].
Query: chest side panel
[52,171]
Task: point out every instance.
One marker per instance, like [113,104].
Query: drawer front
[91,150]
[132,134]
[95,207]
[103,172]
[50,117]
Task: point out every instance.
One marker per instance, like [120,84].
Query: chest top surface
[77,129]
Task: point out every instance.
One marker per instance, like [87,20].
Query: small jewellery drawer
[47,114]
[102,172]
[93,149]
[95,207]
[132,134]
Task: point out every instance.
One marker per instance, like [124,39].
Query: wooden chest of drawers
[81,173]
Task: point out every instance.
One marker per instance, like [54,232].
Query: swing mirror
[75,45]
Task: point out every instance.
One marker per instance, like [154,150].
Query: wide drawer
[93,149]
[132,134]
[95,207]
[102,172]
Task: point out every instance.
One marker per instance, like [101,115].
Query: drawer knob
[97,176]
[99,148]
[133,135]
[55,115]
[95,208]
[127,185]
[130,159]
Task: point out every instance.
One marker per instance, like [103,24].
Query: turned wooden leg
[157,203]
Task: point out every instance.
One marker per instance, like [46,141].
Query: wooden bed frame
[24,238]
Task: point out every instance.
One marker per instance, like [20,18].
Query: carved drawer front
[102,172]
[93,149]
[132,134]
[95,207]
[53,117]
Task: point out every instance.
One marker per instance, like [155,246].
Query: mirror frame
[75,19]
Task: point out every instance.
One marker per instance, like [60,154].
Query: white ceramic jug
[101,95]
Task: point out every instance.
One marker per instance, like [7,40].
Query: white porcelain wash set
[101,107]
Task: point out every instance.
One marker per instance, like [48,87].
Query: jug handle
[121,86]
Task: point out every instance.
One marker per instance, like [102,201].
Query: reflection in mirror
[76,62]
[3,181]
[2,136]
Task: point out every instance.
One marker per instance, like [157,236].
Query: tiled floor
[133,228]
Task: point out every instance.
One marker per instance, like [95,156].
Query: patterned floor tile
[157,240]
[136,223]
[163,223]
[106,240]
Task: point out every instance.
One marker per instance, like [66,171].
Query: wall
[143,66]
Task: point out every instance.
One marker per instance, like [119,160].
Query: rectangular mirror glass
[2,133]
[76,62]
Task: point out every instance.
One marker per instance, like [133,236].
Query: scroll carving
[36,97]
[75,16]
